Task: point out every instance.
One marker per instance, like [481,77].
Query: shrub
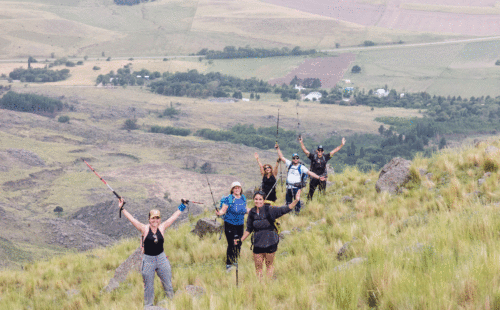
[63,119]
[356,69]
[497,63]
[70,64]
[96,68]
[79,63]
[29,103]
[130,124]
[168,130]
[171,112]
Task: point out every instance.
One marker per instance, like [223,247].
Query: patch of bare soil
[26,157]
[329,70]
[46,175]
[178,183]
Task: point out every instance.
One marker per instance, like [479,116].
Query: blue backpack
[303,177]
[229,201]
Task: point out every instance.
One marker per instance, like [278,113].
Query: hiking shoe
[229,268]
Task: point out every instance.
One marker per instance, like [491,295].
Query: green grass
[432,247]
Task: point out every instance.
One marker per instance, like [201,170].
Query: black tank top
[150,247]
[267,186]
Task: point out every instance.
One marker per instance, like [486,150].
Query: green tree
[356,69]
[442,143]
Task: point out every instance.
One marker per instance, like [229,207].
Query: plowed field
[328,69]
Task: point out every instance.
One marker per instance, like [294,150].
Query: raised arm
[280,155]
[303,147]
[140,227]
[173,217]
[314,175]
[260,164]
[275,170]
[338,147]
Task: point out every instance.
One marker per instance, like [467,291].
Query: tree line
[30,103]
[194,84]
[449,114]
[39,75]
[230,52]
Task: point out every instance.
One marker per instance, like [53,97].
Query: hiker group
[261,220]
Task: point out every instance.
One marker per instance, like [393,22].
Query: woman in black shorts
[268,179]
[260,221]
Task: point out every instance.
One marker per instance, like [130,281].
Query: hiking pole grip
[119,197]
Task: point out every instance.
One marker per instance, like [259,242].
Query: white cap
[234,184]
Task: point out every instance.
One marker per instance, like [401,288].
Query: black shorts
[269,250]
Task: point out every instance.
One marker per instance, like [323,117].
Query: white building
[381,92]
[313,96]
[298,87]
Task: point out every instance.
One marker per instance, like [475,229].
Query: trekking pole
[213,199]
[118,196]
[277,126]
[298,121]
[236,238]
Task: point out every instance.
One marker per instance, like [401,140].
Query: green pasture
[465,69]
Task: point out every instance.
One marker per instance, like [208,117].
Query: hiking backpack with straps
[303,177]
[274,223]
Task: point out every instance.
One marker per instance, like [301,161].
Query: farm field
[461,69]
[329,70]
[171,27]
[463,18]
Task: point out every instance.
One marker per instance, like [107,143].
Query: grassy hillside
[434,246]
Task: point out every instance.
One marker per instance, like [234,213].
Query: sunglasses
[295,158]
[155,218]
[156,238]
[320,150]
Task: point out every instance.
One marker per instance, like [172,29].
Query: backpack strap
[269,218]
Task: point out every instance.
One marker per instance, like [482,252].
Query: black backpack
[274,223]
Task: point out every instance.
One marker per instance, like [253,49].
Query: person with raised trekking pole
[318,165]
[268,179]
[233,207]
[295,177]
[261,221]
[154,258]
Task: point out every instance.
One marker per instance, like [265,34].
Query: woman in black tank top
[268,179]
[154,258]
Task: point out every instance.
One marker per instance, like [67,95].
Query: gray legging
[161,265]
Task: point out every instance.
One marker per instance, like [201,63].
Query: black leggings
[233,251]
[312,187]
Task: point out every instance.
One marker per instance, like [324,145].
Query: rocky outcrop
[75,234]
[394,175]
[132,263]
[206,226]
